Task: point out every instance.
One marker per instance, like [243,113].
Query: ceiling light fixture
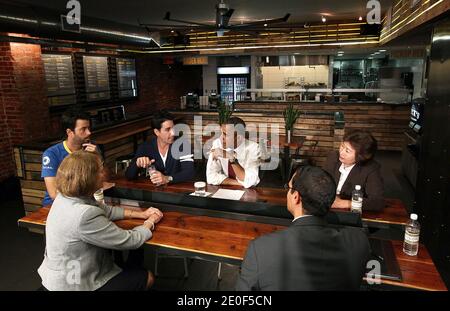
[360,18]
[324,19]
[265,25]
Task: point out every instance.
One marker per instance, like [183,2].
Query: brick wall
[161,86]
[24,110]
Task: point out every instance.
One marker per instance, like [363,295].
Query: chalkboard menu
[96,78]
[126,75]
[59,79]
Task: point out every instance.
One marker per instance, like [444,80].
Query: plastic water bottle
[412,233]
[357,199]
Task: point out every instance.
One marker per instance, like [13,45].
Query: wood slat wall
[387,123]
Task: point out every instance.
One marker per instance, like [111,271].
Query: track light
[360,18]
[324,19]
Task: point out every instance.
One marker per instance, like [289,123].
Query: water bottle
[412,233]
[357,200]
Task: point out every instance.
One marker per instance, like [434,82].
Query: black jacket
[367,175]
[180,169]
[309,255]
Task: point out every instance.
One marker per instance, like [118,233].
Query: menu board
[126,74]
[96,77]
[59,79]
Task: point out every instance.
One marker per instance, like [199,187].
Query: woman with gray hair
[80,233]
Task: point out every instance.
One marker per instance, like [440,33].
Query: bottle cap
[358,187]
[414,216]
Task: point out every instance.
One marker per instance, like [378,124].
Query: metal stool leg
[186,273]
[219,270]
[156,264]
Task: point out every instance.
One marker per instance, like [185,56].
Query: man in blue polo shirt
[76,125]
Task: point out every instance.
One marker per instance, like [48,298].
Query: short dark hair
[160,117]
[364,144]
[235,121]
[70,117]
[316,188]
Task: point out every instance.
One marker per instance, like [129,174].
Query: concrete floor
[22,251]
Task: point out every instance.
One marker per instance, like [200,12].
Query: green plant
[290,116]
[225,112]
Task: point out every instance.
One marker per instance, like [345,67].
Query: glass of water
[200,188]
[151,169]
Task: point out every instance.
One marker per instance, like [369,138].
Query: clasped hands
[152,216]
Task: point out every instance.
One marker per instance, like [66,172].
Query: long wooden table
[219,238]
[394,212]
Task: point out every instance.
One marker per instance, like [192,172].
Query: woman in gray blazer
[81,234]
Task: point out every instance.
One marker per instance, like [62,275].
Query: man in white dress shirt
[233,160]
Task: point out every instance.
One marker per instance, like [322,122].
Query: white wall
[274,77]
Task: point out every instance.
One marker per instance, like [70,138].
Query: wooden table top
[394,212]
[228,238]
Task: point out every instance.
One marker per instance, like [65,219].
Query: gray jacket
[79,238]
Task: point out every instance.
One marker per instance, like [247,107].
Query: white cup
[200,188]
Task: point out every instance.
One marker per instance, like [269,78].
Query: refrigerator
[231,85]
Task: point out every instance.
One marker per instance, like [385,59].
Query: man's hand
[339,203]
[144,162]
[159,178]
[89,147]
[222,153]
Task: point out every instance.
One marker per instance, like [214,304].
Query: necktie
[231,173]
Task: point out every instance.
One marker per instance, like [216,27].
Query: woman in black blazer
[354,165]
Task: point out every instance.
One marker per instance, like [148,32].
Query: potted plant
[290,116]
[225,112]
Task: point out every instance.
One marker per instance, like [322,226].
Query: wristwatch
[170,178]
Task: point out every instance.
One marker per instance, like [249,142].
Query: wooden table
[393,214]
[227,240]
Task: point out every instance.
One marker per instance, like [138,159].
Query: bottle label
[357,204]
[411,237]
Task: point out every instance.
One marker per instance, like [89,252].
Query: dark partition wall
[433,190]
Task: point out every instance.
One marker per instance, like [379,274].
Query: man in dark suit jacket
[172,158]
[310,254]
